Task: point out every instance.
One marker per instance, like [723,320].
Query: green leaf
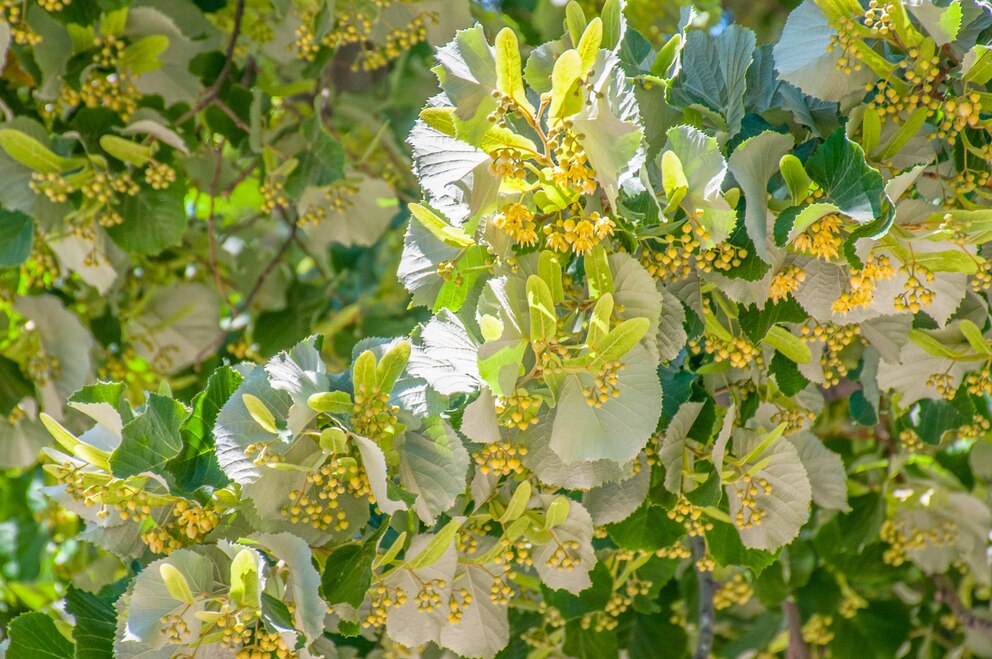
[795,177]
[96,622]
[557,512]
[549,267]
[391,366]
[153,220]
[566,96]
[260,413]
[517,504]
[599,321]
[673,180]
[436,547]
[543,318]
[35,636]
[588,45]
[491,366]
[575,21]
[244,578]
[509,77]
[33,154]
[348,571]
[150,440]
[434,466]
[363,371]
[787,376]
[975,338]
[127,151]
[906,132]
[871,131]
[449,235]
[713,74]
[612,15]
[932,345]
[599,277]
[838,166]
[16,238]
[977,65]
[622,339]
[788,344]
[619,429]
[196,464]
[331,402]
[321,162]
[175,583]
[649,528]
[142,56]
[468,268]
[753,162]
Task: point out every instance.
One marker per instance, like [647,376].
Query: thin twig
[210,93]
[707,611]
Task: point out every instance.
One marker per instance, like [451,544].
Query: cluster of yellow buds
[816,630]
[981,281]
[273,196]
[189,522]
[821,239]
[305,43]
[519,410]
[264,453]
[572,170]
[317,503]
[735,590]
[943,383]
[747,489]
[12,13]
[402,39]
[723,256]
[921,89]
[902,537]
[916,294]
[176,629]
[678,551]
[459,601]
[785,282]
[605,384]
[263,644]
[500,458]
[862,284]
[578,236]
[351,26]
[851,603]
[52,185]
[507,163]
[373,415]
[979,426]
[910,441]
[835,339]
[500,590]
[428,598]
[980,382]
[159,175]
[689,516]
[41,367]
[968,180]
[959,114]
[564,557]
[517,221]
[127,499]
[740,352]
[794,420]
[381,599]
[845,39]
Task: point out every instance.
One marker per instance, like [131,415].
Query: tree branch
[947,594]
[797,645]
[707,612]
[210,93]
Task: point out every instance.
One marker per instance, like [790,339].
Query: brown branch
[797,648]
[948,595]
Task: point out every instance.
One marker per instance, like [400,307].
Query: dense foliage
[678,345]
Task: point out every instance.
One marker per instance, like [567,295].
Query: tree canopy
[409,327]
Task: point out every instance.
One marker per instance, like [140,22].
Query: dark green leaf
[35,636]
[16,238]
[153,220]
[151,439]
